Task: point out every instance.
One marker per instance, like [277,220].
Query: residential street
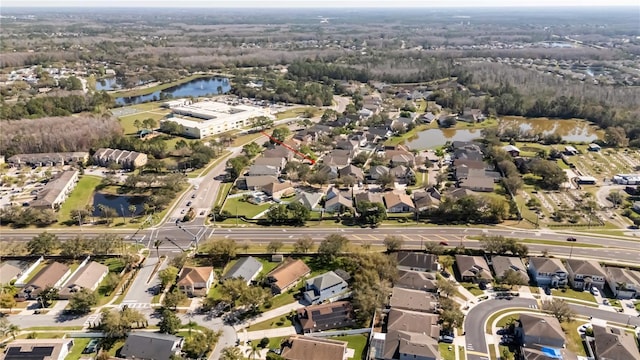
[140,292]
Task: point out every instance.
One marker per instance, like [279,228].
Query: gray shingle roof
[246,268]
[148,345]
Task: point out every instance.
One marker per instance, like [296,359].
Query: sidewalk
[274,313]
[245,336]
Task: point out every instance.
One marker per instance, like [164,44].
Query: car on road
[202,212]
[444,243]
[572,239]
[605,302]
[193,196]
[595,291]
[189,203]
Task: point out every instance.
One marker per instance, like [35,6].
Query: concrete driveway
[139,294]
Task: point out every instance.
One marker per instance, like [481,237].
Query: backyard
[80,197]
[355,342]
[238,207]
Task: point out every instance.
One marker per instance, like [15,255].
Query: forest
[63,105]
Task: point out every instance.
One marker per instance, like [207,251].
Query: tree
[445,287]
[195,345]
[110,282]
[252,149]
[117,324]
[511,278]
[48,295]
[43,244]
[179,260]
[223,248]
[253,352]
[559,308]
[168,276]
[173,298]
[261,122]
[386,180]
[332,246]
[7,301]
[137,124]
[616,136]
[156,244]
[371,213]
[393,243]
[132,210]
[281,134]
[149,123]
[104,244]
[82,301]
[274,246]
[615,197]
[446,262]
[74,248]
[169,322]
[231,353]
[552,176]
[303,245]
[232,290]
[512,184]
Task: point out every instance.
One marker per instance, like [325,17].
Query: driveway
[139,294]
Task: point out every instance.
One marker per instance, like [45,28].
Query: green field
[128,120]
[80,196]
[445,353]
[570,293]
[242,208]
[78,345]
[355,342]
[283,321]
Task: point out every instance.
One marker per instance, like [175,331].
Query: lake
[571,130]
[433,138]
[118,203]
[195,88]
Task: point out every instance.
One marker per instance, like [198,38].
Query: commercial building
[208,118]
[56,191]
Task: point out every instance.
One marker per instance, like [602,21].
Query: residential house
[11,269]
[539,329]
[279,189]
[258,170]
[458,194]
[351,145]
[327,316]
[313,348]
[512,150]
[125,158]
[570,150]
[398,203]
[53,275]
[547,271]
[414,300]
[614,344]
[402,123]
[308,199]
[416,280]
[624,283]
[353,171]
[278,152]
[377,171]
[256,183]
[402,174]
[407,159]
[339,203]
[338,158]
[287,275]
[418,261]
[477,183]
[37,349]
[195,281]
[594,147]
[56,191]
[473,268]
[410,335]
[324,287]
[538,352]
[585,274]
[246,268]
[372,103]
[331,171]
[501,264]
[382,132]
[472,115]
[87,277]
[431,156]
[48,159]
[365,114]
[425,200]
[428,117]
[368,196]
[277,162]
[144,345]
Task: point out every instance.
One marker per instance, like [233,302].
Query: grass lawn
[395,140]
[80,196]
[499,314]
[637,305]
[295,112]
[574,342]
[115,265]
[222,193]
[274,342]
[271,324]
[445,353]
[244,139]
[127,120]
[492,352]
[35,271]
[616,303]
[570,293]
[473,288]
[355,342]
[242,208]
[461,355]
[116,348]
[78,345]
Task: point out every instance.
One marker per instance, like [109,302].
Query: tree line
[37,107]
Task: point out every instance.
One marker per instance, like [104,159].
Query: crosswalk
[91,320]
[533,306]
[136,305]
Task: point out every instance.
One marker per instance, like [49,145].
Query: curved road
[475,321]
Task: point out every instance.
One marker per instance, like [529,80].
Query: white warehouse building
[210,117]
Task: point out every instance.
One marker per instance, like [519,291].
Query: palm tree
[156,244]
[231,353]
[191,324]
[253,352]
[132,210]
[13,330]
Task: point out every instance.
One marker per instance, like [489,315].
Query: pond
[571,130]
[195,88]
[433,138]
[112,83]
[119,203]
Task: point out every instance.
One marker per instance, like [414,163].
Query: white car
[595,291]
[583,328]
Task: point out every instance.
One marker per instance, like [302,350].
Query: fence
[340,332]
[25,274]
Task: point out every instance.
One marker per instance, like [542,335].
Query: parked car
[193,196]
[189,203]
[595,291]
[547,291]
[583,328]
[605,302]
[91,347]
[447,339]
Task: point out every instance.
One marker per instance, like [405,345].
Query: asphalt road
[475,321]
[141,291]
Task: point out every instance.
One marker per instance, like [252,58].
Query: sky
[313,3]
